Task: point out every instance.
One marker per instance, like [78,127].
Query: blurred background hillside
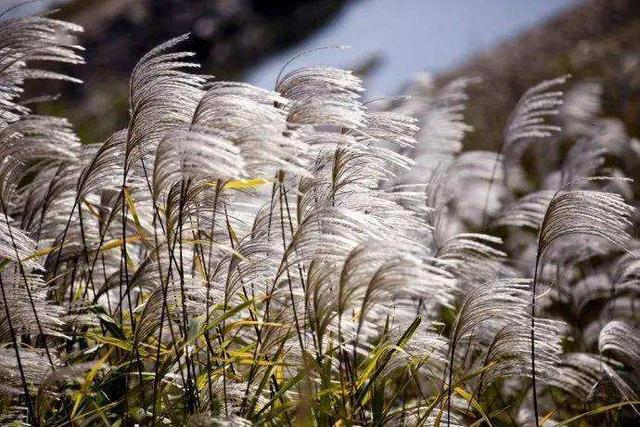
[509,44]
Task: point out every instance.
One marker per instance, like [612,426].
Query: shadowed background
[510,44]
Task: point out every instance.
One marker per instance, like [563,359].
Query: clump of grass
[244,256]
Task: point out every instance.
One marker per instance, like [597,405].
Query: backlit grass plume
[243,256]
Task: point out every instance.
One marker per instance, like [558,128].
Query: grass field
[296,256]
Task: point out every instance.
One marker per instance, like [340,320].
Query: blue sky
[411,36]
